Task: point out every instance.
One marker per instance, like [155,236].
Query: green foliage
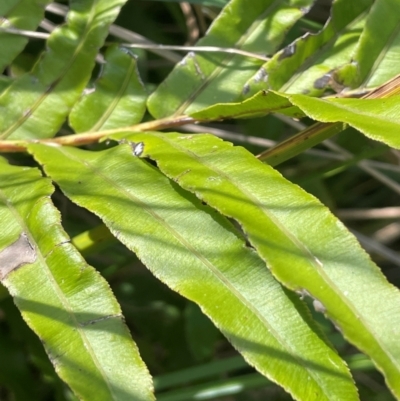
[269,264]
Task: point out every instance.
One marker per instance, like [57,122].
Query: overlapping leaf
[65,301]
[303,244]
[200,255]
[260,104]
[376,118]
[22,14]
[118,98]
[201,80]
[377,55]
[36,104]
[305,66]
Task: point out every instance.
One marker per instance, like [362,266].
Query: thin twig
[363,214]
[206,49]
[23,32]
[150,46]
[85,138]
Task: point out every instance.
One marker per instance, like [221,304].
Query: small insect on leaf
[138,148]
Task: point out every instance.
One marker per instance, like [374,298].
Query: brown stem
[86,138]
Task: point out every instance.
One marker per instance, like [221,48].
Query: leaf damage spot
[178,177]
[288,51]
[261,75]
[246,89]
[19,253]
[100,319]
[199,72]
[323,82]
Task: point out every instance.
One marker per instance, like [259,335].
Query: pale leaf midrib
[26,115]
[295,241]
[210,266]
[116,99]
[56,288]
[226,58]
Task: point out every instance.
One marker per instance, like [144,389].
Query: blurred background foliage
[185,353]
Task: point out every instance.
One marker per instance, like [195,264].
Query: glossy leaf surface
[200,255]
[303,244]
[306,65]
[202,79]
[260,104]
[64,301]
[375,118]
[23,14]
[118,98]
[36,104]
[377,55]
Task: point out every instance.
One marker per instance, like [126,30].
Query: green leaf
[377,56]
[303,244]
[305,66]
[200,80]
[376,118]
[20,14]
[199,254]
[118,99]
[65,301]
[35,105]
[260,104]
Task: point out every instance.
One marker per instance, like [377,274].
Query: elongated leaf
[375,118]
[118,99]
[65,301]
[36,104]
[261,103]
[306,65]
[201,80]
[303,244]
[20,14]
[198,253]
[376,59]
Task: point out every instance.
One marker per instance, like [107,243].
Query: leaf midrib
[42,259]
[116,99]
[310,61]
[315,261]
[27,113]
[209,265]
[227,58]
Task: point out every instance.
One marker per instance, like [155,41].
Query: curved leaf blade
[378,119]
[198,254]
[260,104]
[36,104]
[303,244]
[201,80]
[64,301]
[376,58]
[118,99]
[375,118]
[20,14]
[306,65]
